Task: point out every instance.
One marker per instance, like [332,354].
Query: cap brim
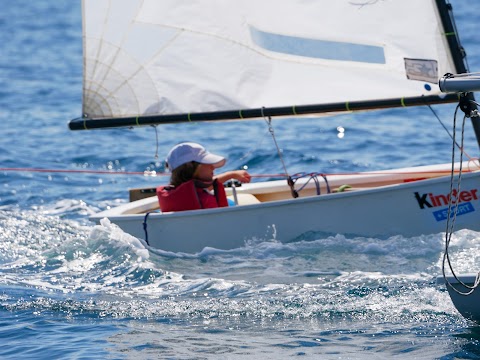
[211,159]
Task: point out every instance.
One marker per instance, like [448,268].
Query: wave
[51,252]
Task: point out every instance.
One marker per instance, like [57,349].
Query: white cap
[188,151]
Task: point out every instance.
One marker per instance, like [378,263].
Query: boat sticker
[462,209]
[423,70]
[441,201]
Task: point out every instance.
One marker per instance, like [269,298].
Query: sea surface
[70,289]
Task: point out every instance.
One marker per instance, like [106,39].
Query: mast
[458,53]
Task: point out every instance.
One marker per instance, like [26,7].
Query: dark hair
[183,173]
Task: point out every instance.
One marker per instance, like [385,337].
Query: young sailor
[193,184]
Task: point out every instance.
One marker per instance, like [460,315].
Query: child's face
[204,172]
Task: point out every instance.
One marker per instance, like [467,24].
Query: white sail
[145,57]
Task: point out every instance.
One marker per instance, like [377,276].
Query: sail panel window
[318,49]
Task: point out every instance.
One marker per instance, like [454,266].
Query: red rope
[154,173]
[109,172]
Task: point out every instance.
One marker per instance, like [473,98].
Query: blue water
[70,289]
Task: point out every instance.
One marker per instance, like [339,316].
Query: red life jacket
[188,196]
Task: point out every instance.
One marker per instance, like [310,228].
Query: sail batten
[164,59]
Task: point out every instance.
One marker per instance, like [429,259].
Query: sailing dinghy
[464,292]
[153,62]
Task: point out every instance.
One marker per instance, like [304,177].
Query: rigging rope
[156,141]
[448,132]
[290,181]
[145,227]
[451,217]
[314,177]
[107,172]
[154,173]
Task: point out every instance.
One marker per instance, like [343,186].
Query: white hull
[467,305]
[380,204]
